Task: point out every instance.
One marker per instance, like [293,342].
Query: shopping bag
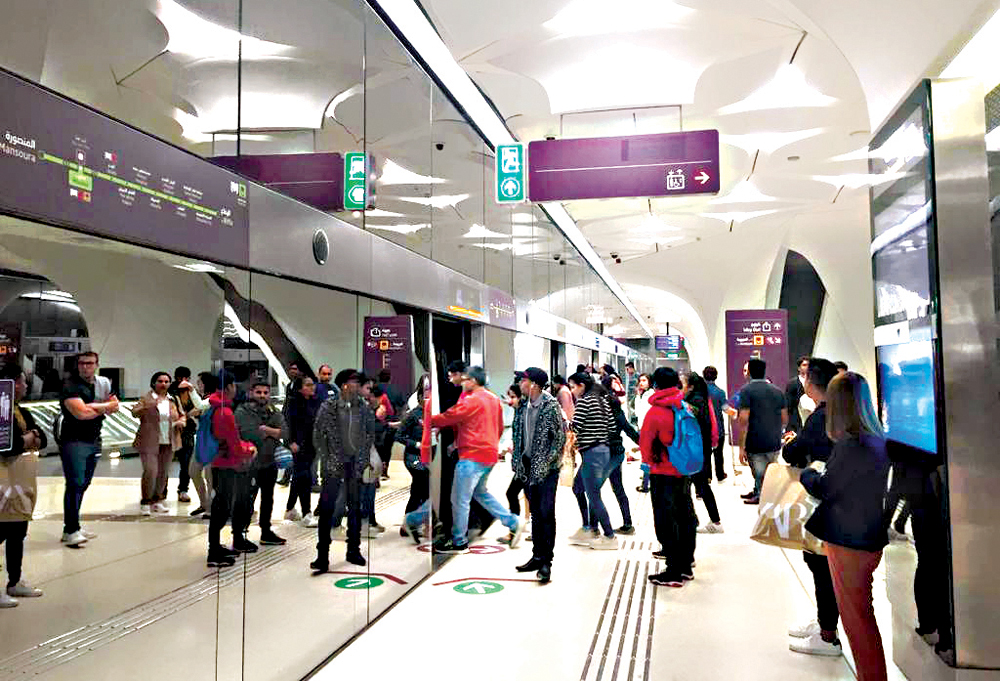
[373,470]
[18,487]
[785,507]
[567,467]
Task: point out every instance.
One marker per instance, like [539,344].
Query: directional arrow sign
[478,588]
[359,583]
[703,177]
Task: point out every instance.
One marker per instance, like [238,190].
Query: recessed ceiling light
[393,173]
[794,158]
[480,232]
[592,17]
[788,90]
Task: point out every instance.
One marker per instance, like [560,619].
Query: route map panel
[62,163]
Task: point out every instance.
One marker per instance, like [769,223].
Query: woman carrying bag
[850,518]
[161,421]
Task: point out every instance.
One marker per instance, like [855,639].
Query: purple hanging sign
[755,333]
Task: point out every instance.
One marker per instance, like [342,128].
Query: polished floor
[138,602]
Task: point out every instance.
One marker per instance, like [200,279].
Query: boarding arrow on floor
[479,588]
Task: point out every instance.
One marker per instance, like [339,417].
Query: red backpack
[715,424]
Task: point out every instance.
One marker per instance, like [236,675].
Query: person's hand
[294,447]
[819,466]
[743,458]
[253,450]
[185,385]
[262,429]
[380,413]
[30,441]
[788,437]
[113,405]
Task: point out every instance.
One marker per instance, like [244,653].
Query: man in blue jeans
[478,417]
[763,415]
[80,438]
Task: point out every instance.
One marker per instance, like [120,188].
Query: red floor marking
[483,579]
[368,574]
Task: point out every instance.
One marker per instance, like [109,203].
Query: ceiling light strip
[408,22]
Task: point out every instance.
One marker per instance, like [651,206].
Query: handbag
[567,467]
[18,487]
[785,508]
[283,458]
[373,469]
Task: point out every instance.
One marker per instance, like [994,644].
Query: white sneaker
[309,520]
[293,515]
[804,630]
[517,533]
[145,509]
[815,645]
[369,531]
[23,590]
[7,601]
[603,543]
[711,528]
[74,539]
[338,534]
[160,508]
[583,537]
[88,534]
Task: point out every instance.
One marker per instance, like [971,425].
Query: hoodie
[233,452]
[658,431]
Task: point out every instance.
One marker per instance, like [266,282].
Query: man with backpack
[671,445]
[231,462]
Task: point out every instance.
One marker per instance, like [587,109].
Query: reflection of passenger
[26,437]
[850,516]
[261,423]
[410,434]
[161,420]
[200,474]
[80,435]
[182,389]
[301,414]
[344,435]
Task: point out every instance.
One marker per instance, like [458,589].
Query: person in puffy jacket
[850,518]
[674,519]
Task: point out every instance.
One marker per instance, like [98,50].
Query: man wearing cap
[539,436]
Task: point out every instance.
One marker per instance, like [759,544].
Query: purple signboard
[65,164]
[756,333]
[315,179]
[6,415]
[388,344]
[668,164]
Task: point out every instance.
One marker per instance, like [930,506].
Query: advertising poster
[388,344]
[761,334]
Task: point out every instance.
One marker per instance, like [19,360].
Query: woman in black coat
[302,409]
[696,395]
[851,517]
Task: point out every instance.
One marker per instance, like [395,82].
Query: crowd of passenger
[232,447]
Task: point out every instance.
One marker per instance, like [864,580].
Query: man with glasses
[80,442]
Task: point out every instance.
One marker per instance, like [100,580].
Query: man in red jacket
[230,478]
[478,417]
[674,519]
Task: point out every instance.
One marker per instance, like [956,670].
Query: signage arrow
[702,177]
[475,586]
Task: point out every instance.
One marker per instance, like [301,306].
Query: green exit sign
[511,173]
[355,181]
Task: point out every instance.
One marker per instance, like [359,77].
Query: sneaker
[269,538]
[804,630]
[603,543]
[160,508]
[711,528]
[413,532]
[752,501]
[23,590]
[667,579]
[687,575]
[244,545]
[661,554]
[355,558]
[316,489]
[722,477]
[625,529]
[583,537]
[293,515]
[8,601]
[184,497]
[218,559]
[369,531]
[309,520]
[74,539]
[283,482]
[748,495]
[196,512]
[505,540]
[320,565]
[88,534]
[145,509]
[815,645]
[517,532]
[642,489]
[378,528]
[450,548]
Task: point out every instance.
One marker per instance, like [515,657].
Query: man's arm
[86,412]
[744,418]
[455,415]
[784,418]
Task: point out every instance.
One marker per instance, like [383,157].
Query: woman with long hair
[410,435]
[161,420]
[644,390]
[696,396]
[850,518]
[302,409]
[592,423]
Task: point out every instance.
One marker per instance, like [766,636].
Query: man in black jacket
[819,636]
[794,391]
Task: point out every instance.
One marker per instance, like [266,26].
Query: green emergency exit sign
[511,173]
[355,181]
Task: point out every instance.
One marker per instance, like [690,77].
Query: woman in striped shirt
[592,423]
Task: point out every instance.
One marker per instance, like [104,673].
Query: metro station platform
[475,616]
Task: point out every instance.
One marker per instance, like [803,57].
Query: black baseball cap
[518,375]
[536,375]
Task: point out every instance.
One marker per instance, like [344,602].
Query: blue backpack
[206,446]
[686,452]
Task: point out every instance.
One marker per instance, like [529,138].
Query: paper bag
[18,487]
[785,507]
